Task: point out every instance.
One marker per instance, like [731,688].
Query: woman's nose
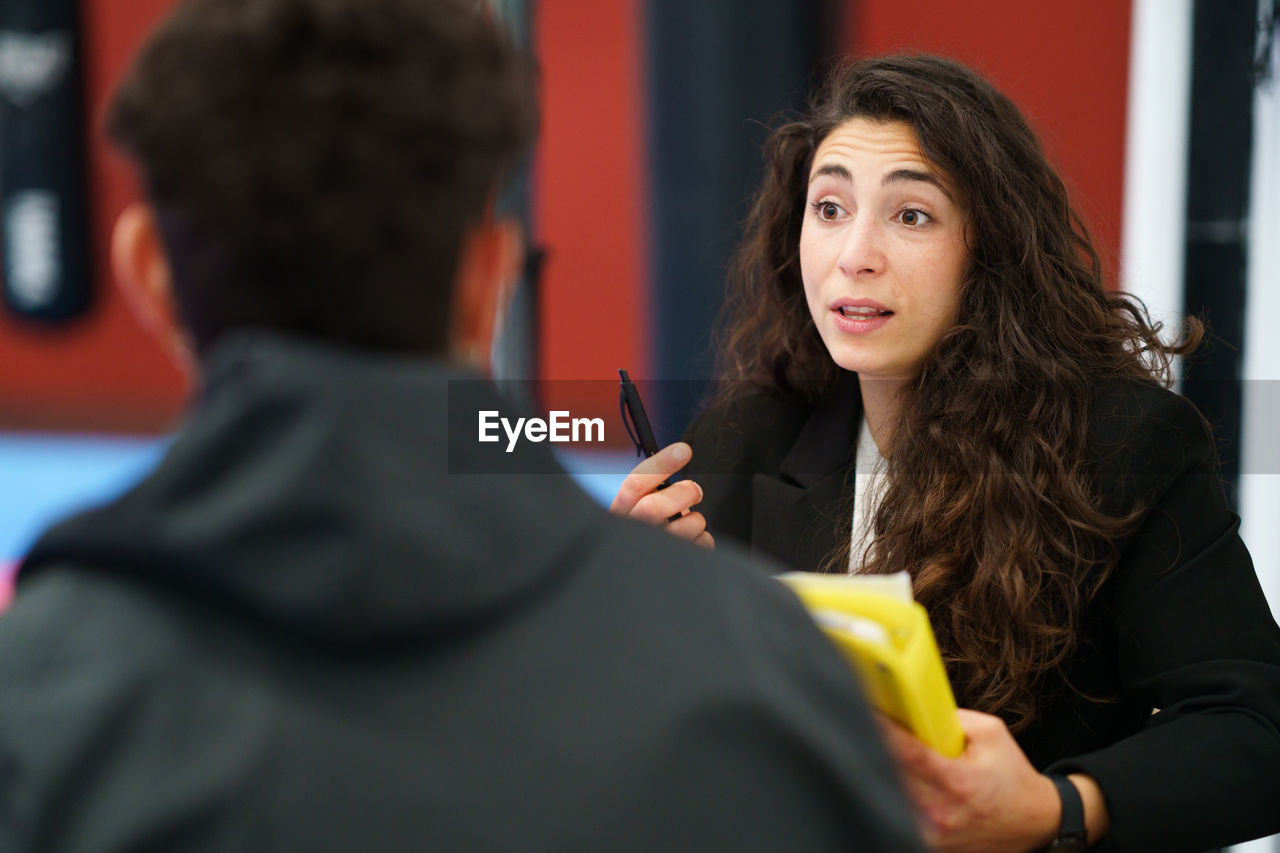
[863,249]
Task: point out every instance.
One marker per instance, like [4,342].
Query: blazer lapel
[799,516]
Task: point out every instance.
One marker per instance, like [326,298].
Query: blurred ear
[143,275]
[488,266]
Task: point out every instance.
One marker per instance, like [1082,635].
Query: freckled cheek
[808,254]
[941,277]
[811,272]
[955,276]
[813,297]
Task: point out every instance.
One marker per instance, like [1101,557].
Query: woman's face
[882,249]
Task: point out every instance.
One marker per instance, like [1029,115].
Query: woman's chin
[866,366]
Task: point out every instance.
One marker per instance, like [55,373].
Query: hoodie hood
[316,488]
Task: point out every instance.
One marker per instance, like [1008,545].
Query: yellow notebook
[886,635]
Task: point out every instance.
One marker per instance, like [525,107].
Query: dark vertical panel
[717,71]
[516,352]
[43,219]
[1221,126]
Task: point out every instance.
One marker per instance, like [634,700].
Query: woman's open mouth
[863,312]
[860,319]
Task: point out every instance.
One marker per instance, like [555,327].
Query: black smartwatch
[1071,833]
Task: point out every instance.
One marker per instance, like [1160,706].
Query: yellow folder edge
[891,646]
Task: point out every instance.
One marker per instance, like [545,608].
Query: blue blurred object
[599,472]
[44,478]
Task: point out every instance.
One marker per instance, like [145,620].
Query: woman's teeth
[862,313]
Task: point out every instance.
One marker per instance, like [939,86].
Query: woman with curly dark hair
[923,371]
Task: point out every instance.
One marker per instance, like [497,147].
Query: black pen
[633,415]
[632,411]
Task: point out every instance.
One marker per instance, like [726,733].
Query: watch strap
[1072,834]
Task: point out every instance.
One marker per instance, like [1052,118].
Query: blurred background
[1162,115]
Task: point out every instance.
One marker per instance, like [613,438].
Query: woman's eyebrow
[833,169]
[905,175]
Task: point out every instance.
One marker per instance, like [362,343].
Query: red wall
[100,371]
[1066,65]
[590,209]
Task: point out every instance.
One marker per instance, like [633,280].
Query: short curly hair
[314,163]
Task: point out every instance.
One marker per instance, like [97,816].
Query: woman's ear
[488,266]
[145,278]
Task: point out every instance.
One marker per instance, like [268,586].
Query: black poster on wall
[43,229]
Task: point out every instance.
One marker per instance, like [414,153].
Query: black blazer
[1182,625]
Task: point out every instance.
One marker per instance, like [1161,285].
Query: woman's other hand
[640,498]
[990,798]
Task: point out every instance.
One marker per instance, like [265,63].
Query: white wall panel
[1155,188]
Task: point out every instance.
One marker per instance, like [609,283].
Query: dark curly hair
[314,163]
[988,500]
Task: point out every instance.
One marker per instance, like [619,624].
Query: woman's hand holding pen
[640,498]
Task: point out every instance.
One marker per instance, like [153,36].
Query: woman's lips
[860,317]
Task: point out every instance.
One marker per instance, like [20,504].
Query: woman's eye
[913,218]
[827,210]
